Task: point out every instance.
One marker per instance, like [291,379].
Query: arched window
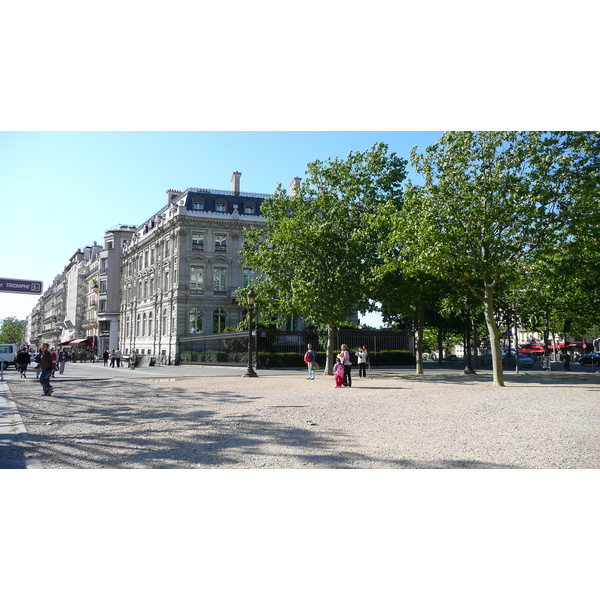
[219,317]
[196,320]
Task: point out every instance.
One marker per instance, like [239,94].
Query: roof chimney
[171,195]
[295,185]
[235,183]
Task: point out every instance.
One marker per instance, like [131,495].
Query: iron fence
[274,349]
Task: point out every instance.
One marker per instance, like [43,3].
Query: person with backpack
[46,366]
[346,357]
[310,357]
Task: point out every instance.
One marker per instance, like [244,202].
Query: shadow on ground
[77,430]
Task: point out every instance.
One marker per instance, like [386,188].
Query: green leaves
[315,256]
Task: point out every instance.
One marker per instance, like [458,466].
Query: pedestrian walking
[46,368]
[105,356]
[113,358]
[36,359]
[23,359]
[62,359]
[347,362]
[54,356]
[310,357]
[338,372]
[118,357]
[363,359]
[132,359]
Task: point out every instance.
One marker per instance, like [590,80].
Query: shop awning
[82,341]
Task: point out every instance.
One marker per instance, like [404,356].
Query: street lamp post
[250,372]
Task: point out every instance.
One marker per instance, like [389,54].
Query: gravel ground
[438,421]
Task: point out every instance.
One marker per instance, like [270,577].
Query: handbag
[314,366]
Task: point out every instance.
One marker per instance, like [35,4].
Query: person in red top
[310,357]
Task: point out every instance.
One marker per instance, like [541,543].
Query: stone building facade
[181,268]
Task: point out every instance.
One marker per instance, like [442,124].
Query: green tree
[490,199]
[12,331]
[315,256]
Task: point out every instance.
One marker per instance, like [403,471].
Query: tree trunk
[469,364]
[490,320]
[517,368]
[329,362]
[420,327]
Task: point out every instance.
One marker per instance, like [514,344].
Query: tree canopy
[315,254]
[490,202]
[12,331]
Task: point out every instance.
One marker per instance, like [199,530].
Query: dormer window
[248,209]
[198,204]
[220,207]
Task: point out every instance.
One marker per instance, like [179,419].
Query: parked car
[526,361]
[592,358]
[8,353]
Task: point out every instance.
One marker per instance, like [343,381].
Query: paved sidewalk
[13,431]
[124,399]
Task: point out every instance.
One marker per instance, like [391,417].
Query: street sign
[21,286]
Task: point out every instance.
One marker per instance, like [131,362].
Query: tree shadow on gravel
[81,429]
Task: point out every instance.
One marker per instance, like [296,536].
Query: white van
[8,354]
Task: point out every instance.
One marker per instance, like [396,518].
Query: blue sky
[59,191]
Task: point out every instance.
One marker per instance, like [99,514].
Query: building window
[137,325]
[220,279]
[196,280]
[196,320]
[166,280]
[220,242]
[145,289]
[102,307]
[152,256]
[220,207]
[198,204]
[144,324]
[219,317]
[146,258]
[167,248]
[103,265]
[103,286]
[248,209]
[150,324]
[248,277]
[165,322]
[197,241]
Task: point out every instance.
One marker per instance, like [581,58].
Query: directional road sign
[21,286]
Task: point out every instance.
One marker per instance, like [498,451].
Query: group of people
[114,356]
[23,360]
[48,362]
[342,370]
